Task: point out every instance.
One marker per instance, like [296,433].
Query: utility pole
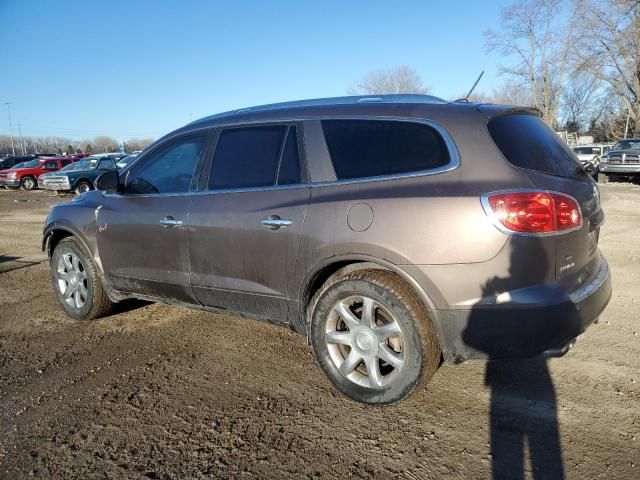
[13,149]
[626,127]
[24,152]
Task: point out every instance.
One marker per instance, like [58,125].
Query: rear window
[527,142]
[370,148]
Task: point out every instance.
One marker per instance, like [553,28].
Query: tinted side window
[108,164]
[168,170]
[66,162]
[246,157]
[527,142]
[369,148]
[289,172]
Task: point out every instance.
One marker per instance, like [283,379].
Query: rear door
[528,143]
[244,229]
[142,232]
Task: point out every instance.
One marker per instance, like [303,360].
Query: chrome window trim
[484,200]
[454,155]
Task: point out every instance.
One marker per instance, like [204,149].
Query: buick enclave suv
[395,232]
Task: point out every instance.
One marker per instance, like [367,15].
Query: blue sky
[80,68]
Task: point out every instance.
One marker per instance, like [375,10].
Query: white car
[590,155]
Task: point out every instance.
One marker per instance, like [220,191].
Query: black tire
[83,186]
[420,347]
[97,303]
[603,177]
[28,183]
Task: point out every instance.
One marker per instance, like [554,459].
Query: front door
[244,231]
[141,232]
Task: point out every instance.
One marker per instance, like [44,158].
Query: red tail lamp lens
[535,212]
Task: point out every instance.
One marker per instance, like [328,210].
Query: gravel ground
[156,391]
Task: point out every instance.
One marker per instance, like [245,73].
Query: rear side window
[527,142]
[370,148]
[289,171]
[247,157]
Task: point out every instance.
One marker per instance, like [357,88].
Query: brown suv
[394,232]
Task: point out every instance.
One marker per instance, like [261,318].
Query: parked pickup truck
[622,161]
[78,176]
[26,177]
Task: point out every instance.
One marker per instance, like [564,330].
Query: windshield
[29,164]
[84,164]
[628,145]
[585,150]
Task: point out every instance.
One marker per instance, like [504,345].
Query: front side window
[169,169]
[51,165]
[370,148]
[247,157]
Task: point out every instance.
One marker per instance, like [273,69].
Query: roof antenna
[466,99]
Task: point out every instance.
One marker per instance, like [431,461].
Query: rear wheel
[372,336]
[76,282]
[82,187]
[28,183]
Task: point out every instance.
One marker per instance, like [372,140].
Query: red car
[27,175]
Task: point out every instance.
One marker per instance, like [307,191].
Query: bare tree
[135,144]
[402,79]
[533,35]
[104,144]
[608,48]
[580,102]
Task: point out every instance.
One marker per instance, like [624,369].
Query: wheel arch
[341,265]
[53,235]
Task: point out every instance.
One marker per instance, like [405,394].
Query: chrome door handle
[274,222]
[170,222]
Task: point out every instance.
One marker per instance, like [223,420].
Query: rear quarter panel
[417,220]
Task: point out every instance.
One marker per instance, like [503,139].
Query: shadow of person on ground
[523,411]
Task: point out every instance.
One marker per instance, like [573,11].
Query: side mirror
[108,181]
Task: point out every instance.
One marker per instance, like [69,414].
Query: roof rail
[325,102]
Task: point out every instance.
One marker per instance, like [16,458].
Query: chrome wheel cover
[72,280]
[365,342]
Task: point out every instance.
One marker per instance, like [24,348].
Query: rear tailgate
[528,143]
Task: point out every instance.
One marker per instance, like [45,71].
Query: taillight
[533,212]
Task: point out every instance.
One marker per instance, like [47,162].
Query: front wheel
[83,187]
[76,282]
[372,336]
[28,183]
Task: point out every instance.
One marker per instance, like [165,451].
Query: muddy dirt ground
[156,391]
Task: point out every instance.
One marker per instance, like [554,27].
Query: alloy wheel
[72,280]
[365,342]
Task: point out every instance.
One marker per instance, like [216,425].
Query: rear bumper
[513,331]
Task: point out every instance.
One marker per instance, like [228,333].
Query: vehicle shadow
[15,263]
[523,409]
[128,306]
